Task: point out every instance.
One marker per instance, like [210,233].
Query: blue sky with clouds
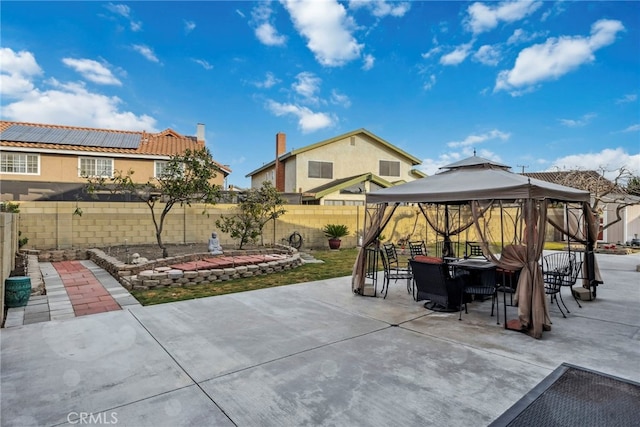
[535,85]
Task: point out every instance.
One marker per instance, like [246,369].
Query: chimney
[281,147]
[200,132]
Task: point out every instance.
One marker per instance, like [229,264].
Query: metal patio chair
[393,270]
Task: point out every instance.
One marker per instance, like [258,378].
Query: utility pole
[523,167]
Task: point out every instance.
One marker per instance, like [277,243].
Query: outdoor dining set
[447,283]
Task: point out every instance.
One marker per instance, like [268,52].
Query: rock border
[158,273]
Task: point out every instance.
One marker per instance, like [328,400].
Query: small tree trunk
[165,254]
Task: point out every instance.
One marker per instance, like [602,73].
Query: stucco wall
[9,223]
[350,160]
[65,168]
[624,230]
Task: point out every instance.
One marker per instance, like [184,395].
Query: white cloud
[18,68]
[68,104]
[307,85]
[92,71]
[433,51]
[473,140]
[73,105]
[609,160]
[632,128]
[457,56]
[368,61]
[146,51]
[630,97]
[124,11]
[431,81]
[338,98]
[583,121]
[488,55]
[269,81]
[556,9]
[266,33]
[483,18]
[521,36]
[381,8]
[119,9]
[308,121]
[189,26]
[556,57]
[327,28]
[203,63]
[136,26]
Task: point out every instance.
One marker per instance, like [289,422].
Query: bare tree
[603,191]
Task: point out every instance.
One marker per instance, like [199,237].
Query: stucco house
[50,162]
[339,170]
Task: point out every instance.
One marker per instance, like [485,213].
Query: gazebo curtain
[378,221]
[523,253]
[581,226]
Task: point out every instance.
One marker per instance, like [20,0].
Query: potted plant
[334,232]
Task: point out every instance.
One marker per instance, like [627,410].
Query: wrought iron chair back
[559,269]
[473,250]
[393,270]
[487,286]
[417,248]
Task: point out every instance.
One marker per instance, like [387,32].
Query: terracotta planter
[334,243]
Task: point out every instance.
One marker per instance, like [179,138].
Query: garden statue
[137,259]
[214,245]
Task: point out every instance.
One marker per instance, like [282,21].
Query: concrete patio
[307,354]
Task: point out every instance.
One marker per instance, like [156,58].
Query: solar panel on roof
[93,139]
[74,137]
[130,140]
[79,137]
[54,136]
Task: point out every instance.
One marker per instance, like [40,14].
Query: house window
[320,169]
[161,167]
[19,163]
[96,166]
[389,168]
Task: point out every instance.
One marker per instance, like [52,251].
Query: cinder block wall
[53,225]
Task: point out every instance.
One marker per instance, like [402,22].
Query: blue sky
[536,85]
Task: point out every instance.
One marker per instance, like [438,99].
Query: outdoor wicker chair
[433,283]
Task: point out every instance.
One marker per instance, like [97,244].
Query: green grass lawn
[336,264]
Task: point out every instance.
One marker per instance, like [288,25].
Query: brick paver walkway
[86,293]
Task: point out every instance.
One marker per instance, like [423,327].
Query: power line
[523,167]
